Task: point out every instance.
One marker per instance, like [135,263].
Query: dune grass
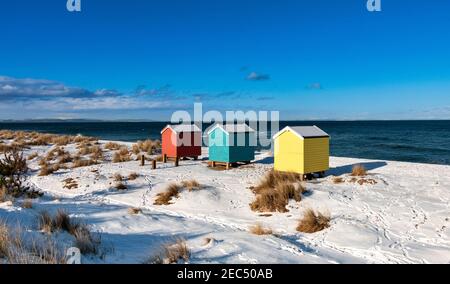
[123,155]
[313,222]
[134,210]
[171,191]
[275,190]
[133,176]
[191,185]
[259,230]
[172,253]
[358,171]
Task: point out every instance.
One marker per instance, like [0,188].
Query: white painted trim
[170,127]
[165,128]
[218,125]
[288,128]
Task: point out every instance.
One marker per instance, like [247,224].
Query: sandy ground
[403,218]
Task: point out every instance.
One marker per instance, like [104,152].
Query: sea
[409,141]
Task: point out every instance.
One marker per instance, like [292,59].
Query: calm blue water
[410,141]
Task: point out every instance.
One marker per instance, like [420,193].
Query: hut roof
[182,128]
[304,131]
[232,128]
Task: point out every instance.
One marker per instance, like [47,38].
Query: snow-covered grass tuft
[14,250]
[3,195]
[337,180]
[112,146]
[276,199]
[85,241]
[191,184]
[120,186]
[359,171]
[164,198]
[273,178]
[289,191]
[4,240]
[61,221]
[46,169]
[259,230]
[118,177]
[123,155]
[80,162]
[269,200]
[313,222]
[173,253]
[32,156]
[134,210]
[133,176]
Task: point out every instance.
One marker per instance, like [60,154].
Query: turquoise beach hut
[231,143]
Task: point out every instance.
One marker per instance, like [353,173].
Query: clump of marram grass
[289,191]
[46,169]
[4,240]
[269,200]
[259,230]
[32,156]
[159,158]
[133,176]
[61,221]
[164,198]
[70,183]
[134,210]
[88,149]
[85,241]
[55,153]
[313,222]
[97,155]
[135,149]
[148,146]
[3,195]
[118,177]
[120,186]
[274,178]
[79,162]
[174,189]
[45,222]
[358,171]
[191,184]
[172,253]
[14,250]
[275,190]
[337,180]
[123,155]
[62,140]
[65,158]
[112,146]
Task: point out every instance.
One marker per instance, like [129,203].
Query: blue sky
[144,59]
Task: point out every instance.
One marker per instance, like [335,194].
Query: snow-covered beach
[401,217]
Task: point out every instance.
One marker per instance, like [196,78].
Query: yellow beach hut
[302,150]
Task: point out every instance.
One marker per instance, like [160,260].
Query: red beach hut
[180,141]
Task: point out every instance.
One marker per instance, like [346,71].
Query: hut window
[181,135]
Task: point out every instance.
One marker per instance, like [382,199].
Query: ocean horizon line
[168,121]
